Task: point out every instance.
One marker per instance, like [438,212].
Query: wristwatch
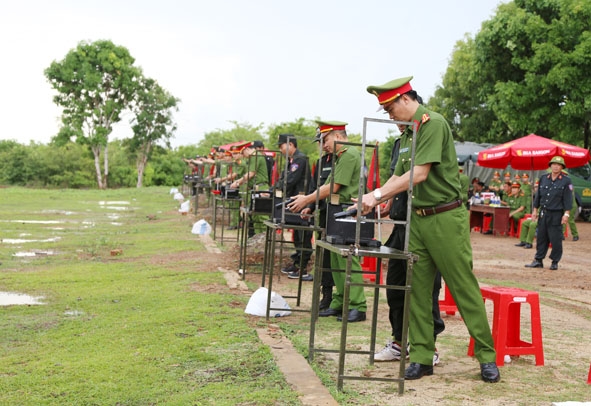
[377,194]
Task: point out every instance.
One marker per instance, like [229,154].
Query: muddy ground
[566,320]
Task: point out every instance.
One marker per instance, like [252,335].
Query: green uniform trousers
[528,231]
[356,293]
[442,242]
[571,222]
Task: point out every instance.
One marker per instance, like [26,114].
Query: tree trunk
[96,151]
[141,162]
[106,166]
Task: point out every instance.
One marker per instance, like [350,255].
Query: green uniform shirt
[258,164]
[435,145]
[346,173]
[516,201]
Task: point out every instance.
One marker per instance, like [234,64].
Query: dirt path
[566,319]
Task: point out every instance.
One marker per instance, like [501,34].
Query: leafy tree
[526,71]
[304,131]
[95,82]
[153,121]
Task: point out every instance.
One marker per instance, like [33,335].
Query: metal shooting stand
[380,253]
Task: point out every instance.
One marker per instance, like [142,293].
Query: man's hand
[298,203]
[368,202]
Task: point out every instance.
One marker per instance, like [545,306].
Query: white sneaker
[391,352]
[436,357]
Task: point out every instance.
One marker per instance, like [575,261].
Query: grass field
[131,329]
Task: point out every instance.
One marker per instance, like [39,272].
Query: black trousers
[549,232]
[302,241]
[397,276]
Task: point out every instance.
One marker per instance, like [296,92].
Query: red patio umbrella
[532,152]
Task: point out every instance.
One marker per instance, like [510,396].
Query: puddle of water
[116,208]
[116,203]
[23,241]
[67,213]
[33,221]
[73,313]
[32,254]
[10,298]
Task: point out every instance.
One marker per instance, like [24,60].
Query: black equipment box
[290,218]
[342,231]
[231,193]
[262,202]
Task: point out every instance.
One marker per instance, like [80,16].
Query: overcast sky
[235,60]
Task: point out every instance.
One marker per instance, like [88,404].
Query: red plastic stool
[448,304]
[486,223]
[507,323]
[370,264]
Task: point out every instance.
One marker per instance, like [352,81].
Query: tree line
[528,70]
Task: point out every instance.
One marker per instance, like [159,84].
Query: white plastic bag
[257,305]
[185,207]
[178,196]
[173,191]
[201,227]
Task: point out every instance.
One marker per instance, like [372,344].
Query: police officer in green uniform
[345,179]
[515,200]
[495,183]
[256,179]
[552,205]
[526,188]
[439,232]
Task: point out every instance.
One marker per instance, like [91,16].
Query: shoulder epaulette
[425,118]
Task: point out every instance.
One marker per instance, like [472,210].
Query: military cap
[285,138]
[497,174]
[507,174]
[558,160]
[517,177]
[392,90]
[516,184]
[525,176]
[258,144]
[324,127]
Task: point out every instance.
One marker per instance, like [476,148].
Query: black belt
[428,211]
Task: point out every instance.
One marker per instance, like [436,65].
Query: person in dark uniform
[295,180]
[396,209]
[439,234]
[552,205]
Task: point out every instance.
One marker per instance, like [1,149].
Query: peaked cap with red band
[324,127]
[390,91]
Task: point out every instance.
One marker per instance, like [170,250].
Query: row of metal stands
[337,237]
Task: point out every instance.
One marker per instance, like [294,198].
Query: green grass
[134,329]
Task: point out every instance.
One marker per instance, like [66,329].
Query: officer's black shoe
[354,315]
[535,264]
[554,266]
[487,232]
[576,238]
[417,371]
[521,244]
[528,246]
[289,269]
[490,372]
[329,312]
